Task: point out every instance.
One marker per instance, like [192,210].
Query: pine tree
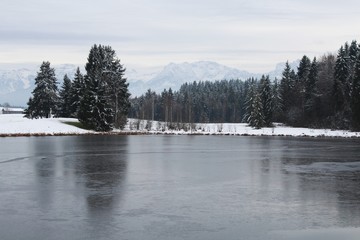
[77,90]
[105,101]
[311,98]
[353,52]
[117,89]
[64,109]
[256,118]
[303,71]
[86,104]
[250,91]
[45,98]
[287,88]
[266,99]
[29,111]
[355,96]
[341,78]
[300,86]
[278,108]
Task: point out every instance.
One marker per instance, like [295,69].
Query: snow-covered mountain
[18,80]
[279,68]
[174,75]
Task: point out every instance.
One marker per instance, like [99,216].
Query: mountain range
[18,80]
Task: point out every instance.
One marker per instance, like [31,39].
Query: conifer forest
[322,92]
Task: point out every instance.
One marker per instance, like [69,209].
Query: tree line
[99,99]
[320,93]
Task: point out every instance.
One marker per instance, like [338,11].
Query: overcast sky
[250,35]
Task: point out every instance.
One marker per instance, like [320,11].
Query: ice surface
[325,167]
[319,234]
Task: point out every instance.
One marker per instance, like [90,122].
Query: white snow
[233,129]
[17,124]
[13,124]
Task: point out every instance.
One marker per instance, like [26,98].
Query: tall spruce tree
[256,118]
[117,89]
[353,53]
[250,91]
[266,99]
[277,107]
[355,97]
[287,88]
[341,78]
[87,104]
[64,108]
[303,71]
[77,90]
[105,99]
[311,96]
[300,86]
[45,98]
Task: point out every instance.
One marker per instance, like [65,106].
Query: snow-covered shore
[17,125]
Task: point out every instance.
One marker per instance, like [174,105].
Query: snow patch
[17,124]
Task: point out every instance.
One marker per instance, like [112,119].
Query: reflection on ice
[319,234]
[324,167]
[179,187]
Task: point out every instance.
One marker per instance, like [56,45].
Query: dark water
[179,187]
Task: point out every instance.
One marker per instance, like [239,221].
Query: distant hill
[18,80]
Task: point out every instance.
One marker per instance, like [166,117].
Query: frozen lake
[179,187]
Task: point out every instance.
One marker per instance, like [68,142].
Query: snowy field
[16,124]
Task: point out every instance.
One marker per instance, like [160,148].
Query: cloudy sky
[250,35]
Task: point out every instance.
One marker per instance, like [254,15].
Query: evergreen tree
[278,108]
[311,98]
[266,99]
[87,104]
[117,88]
[30,111]
[355,97]
[256,118]
[249,99]
[64,109]
[76,93]
[95,110]
[303,72]
[353,52]
[45,98]
[105,101]
[302,80]
[287,87]
[341,78]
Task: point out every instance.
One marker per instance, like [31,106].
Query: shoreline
[17,126]
[133,133]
